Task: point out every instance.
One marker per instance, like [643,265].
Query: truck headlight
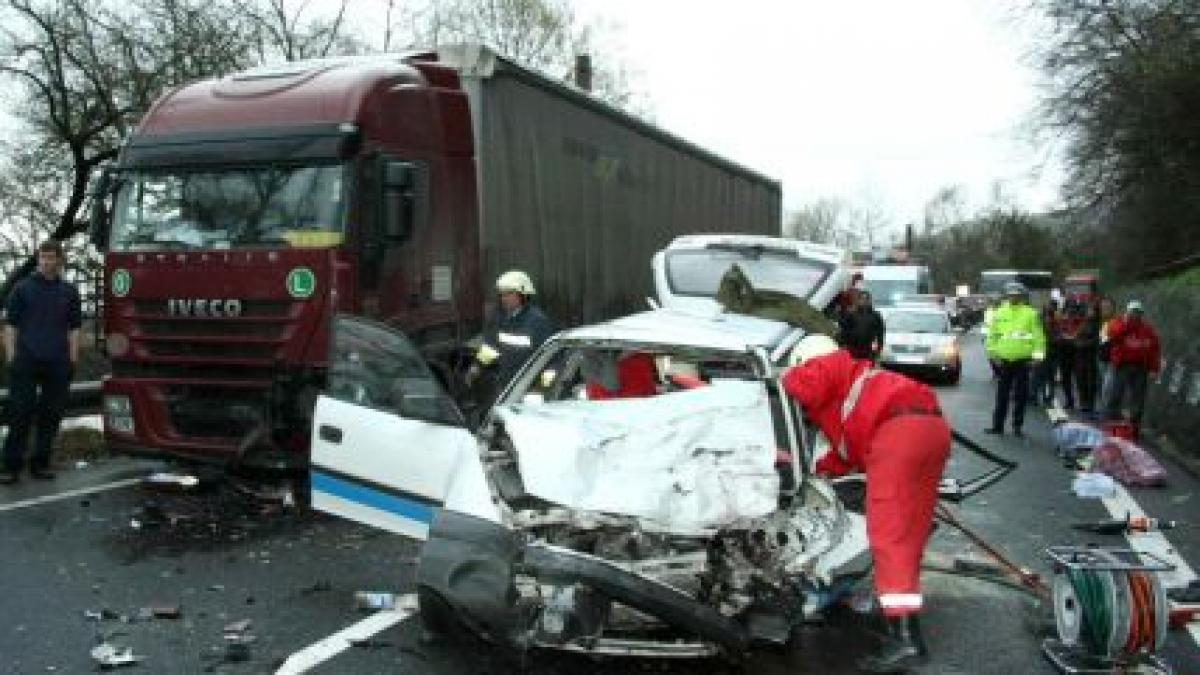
[122,424]
[118,414]
[117,405]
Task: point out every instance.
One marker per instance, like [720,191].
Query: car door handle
[330,434]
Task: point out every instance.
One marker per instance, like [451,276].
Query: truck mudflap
[468,567]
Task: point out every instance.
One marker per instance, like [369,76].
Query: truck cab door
[389,447]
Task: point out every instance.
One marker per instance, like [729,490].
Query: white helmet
[515,281]
[811,346]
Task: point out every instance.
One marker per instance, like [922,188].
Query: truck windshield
[301,207]
[698,272]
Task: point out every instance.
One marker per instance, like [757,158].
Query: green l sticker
[301,282]
[121,282]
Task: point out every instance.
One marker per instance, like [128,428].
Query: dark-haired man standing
[41,341]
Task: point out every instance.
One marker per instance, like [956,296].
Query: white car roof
[671,327]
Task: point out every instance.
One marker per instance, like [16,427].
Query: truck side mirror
[402,188]
[99,215]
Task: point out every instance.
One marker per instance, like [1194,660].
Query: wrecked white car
[638,489]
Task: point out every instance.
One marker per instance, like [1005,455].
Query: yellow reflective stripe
[486,354]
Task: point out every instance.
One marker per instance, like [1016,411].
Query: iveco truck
[246,212]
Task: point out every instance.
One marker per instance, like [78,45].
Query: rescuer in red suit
[636,378]
[891,428]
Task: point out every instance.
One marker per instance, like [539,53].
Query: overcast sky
[875,101]
[872,100]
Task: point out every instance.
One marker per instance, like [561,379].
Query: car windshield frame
[703,278]
[233,207]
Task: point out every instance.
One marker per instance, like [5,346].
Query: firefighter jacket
[825,385]
[1133,342]
[511,340]
[1015,334]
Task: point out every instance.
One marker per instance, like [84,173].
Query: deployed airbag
[689,460]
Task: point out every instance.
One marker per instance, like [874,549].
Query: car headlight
[950,351]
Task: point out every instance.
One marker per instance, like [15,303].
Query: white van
[688,272]
[891,284]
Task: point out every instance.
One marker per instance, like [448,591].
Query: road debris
[104,614]
[373,600]
[166,479]
[321,586]
[108,655]
[1093,486]
[1129,524]
[166,612]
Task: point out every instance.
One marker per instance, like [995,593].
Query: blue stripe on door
[360,494]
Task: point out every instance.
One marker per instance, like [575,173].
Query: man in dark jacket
[862,329]
[518,329]
[41,341]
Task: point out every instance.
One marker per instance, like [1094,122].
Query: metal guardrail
[84,396]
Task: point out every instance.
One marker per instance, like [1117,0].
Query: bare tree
[87,72]
[833,220]
[1123,84]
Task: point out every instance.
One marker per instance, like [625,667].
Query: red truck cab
[244,213]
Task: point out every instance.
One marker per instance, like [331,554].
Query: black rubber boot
[902,648]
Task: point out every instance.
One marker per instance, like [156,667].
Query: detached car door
[389,447]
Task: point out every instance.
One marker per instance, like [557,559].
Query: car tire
[438,618]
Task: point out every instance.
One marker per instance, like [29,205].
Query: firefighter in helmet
[518,328]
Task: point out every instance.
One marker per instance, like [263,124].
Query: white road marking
[329,647]
[59,496]
[1121,505]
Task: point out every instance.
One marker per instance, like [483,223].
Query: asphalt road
[221,557]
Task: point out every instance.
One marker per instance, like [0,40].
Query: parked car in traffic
[921,340]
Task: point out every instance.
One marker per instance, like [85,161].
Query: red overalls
[890,427]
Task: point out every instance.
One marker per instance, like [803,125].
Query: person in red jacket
[1134,355]
[891,428]
[635,377]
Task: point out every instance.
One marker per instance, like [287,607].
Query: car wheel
[437,616]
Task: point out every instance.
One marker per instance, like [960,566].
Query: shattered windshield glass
[299,207]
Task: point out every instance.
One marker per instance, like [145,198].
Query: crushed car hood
[683,463]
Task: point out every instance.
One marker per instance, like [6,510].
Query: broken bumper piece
[469,568]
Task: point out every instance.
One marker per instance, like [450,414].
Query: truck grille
[214,412]
[250,308]
[244,348]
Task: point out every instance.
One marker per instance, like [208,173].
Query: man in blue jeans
[41,341]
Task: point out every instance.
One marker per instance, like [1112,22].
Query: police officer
[518,329]
[1015,339]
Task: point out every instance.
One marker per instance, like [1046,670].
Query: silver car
[921,341]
